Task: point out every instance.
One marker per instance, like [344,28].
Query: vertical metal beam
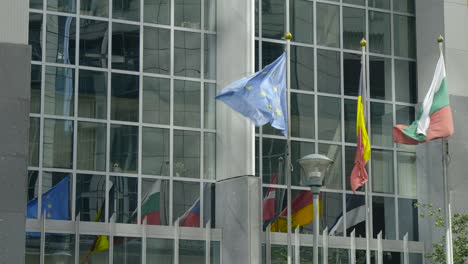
[77,238]
[379,249]
[42,246]
[176,241]
[316,227]
[353,247]
[208,242]
[297,247]
[405,249]
[144,241]
[111,238]
[268,245]
[325,246]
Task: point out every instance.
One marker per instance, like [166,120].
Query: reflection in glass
[59,248]
[329,118]
[187,13]
[407,179]
[123,148]
[159,251]
[34,134]
[155,151]
[273,19]
[209,159]
[354,27]
[35,35]
[408,219]
[302,68]
[59,91]
[355,2]
[187,54]
[56,195]
[33,248]
[186,154]
[127,250]
[92,94]
[328,25]
[126,9]
[272,151]
[90,197]
[36,4]
[379,33]
[271,51]
[382,4]
[187,103]
[302,115]
[405,115]
[91,146]
[156,50]
[125,46]
[356,216]
[155,201]
[60,39]
[350,108]
[328,71]
[192,251]
[98,8]
[58,144]
[298,150]
[333,179]
[380,78]
[210,15]
[210,57]
[332,208]
[352,73]
[215,252]
[157,11]
[382,171]
[404,36]
[406,6]
[125,96]
[350,154]
[93,43]
[35,102]
[383,215]
[66,6]
[32,191]
[185,197]
[156,100]
[405,81]
[302,21]
[209,205]
[209,106]
[86,243]
[123,197]
[381,124]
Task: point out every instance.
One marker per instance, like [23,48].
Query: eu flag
[261,97]
[54,202]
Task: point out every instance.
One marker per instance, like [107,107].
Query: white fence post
[208,242]
[268,245]
[144,242]
[176,241]
[325,246]
[353,247]
[77,238]
[379,249]
[297,247]
[405,249]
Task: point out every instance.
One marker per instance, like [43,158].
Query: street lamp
[315,166]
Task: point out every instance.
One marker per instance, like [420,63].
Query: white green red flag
[151,205]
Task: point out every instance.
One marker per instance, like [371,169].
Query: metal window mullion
[171,131]
[75,113]
[316,137]
[140,115]
[202,117]
[108,127]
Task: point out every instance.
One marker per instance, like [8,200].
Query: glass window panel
[381,124]
[127,250]
[187,105]
[90,197]
[59,248]
[187,54]
[298,150]
[92,94]
[159,251]
[416,258]
[383,215]
[33,248]
[404,36]
[352,73]
[405,81]
[155,151]
[210,57]
[86,243]
[66,6]
[302,21]
[209,159]
[405,115]
[59,91]
[354,27]
[355,2]
[331,210]
[34,134]
[350,108]
[126,9]
[91,146]
[125,96]
[328,71]
[380,78]
[302,115]
[186,154]
[302,68]
[328,25]
[98,8]
[350,153]
[32,193]
[156,50]
[382,171]
[329,118]
[124,148]
[407,179]
[60,39]
[123,197]
[215,252]
[408,219]
[156,100]
[192,251]
[185,197]
[271,51]
[273,159]
[338,256]
[279,253]
[383,4]
[209,106]
[155,201]
[93,43]
[58,144]
[187,13]
[273,19]
[36,4]
[57,195]
[35,103]
[334,177]
[379,32]
[210,15]
[35,36]
[157,11]
[356,217]
[209,205]
[125,47]
[406,6]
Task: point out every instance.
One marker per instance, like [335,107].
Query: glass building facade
[123,106]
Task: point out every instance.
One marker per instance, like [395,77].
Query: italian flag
[151,205]
[434,119]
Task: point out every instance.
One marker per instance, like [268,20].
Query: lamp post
[315,166]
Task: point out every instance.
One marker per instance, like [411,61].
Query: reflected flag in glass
[261,97]
[54,202]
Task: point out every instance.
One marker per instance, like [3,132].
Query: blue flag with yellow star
[54,202]
[261,97]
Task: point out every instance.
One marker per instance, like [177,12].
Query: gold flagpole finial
[288,36]
[363,43]
[440,39]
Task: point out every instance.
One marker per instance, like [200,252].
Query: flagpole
[288,38]
[448,213]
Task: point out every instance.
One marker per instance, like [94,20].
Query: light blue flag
[54,202]
[261,97]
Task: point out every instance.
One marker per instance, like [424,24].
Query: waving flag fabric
[269,202]
[54,202]
[434,119]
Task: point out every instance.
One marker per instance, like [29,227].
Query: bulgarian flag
[434,119]
[151,205]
